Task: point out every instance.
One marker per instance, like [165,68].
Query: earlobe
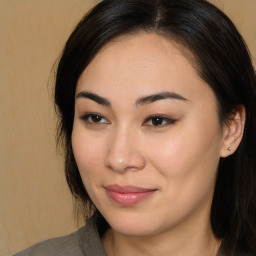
[233,132]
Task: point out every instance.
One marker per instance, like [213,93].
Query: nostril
[117,161]
[124,152]
[121,163]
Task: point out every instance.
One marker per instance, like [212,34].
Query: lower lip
[127,199]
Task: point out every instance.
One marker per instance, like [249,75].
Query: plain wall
[35,201]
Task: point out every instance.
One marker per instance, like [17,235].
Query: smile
[128,195]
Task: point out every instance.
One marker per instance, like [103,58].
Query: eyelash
[164,121]
[88,116]
[159,120]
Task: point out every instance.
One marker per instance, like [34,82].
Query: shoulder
[83,242]
[65,245]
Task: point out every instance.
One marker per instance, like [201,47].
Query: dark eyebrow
[159,96]
[94,97]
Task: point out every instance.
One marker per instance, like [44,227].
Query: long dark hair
[222,60]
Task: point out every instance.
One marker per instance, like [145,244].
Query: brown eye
[158,121]
[94,119]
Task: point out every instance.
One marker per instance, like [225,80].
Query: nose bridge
[124,150]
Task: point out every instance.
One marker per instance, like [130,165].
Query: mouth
[128,195]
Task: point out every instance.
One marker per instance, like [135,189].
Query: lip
[128,195]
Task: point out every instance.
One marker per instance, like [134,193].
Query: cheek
[187,167]
[88,152]
[185,152]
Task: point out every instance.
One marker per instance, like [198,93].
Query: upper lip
[128,189]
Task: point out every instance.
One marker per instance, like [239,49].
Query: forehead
[140,64]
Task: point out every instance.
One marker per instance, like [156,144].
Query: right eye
[92,118]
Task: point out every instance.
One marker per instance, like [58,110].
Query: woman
[157,104]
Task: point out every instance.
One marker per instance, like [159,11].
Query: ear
[233,131]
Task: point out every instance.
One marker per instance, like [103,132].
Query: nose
[124,152]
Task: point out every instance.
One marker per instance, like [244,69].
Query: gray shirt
[84,242]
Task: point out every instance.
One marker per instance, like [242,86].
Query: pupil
[96,118]
[157,121]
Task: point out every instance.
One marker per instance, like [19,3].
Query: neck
[186,241]
[117,244]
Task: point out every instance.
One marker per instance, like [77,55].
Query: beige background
[34,200]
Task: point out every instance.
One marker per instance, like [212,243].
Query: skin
[123,145]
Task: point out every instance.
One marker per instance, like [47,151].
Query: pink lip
[127,195]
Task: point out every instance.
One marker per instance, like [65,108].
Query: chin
[130,224]
[133,231]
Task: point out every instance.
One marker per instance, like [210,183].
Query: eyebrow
[92,96]
[159,96]
[141,101]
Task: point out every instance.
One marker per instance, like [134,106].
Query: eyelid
[168,120]
[86,116]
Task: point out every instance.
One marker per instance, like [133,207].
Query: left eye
[158,121]
[94,119]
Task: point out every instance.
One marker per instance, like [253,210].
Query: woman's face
[146,136]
